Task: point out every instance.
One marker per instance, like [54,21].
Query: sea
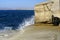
[14,19]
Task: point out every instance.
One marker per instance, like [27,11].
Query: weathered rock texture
[42,13]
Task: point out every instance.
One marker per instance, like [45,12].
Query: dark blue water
[12,18]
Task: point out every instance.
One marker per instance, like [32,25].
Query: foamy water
[26,22]
[7,32]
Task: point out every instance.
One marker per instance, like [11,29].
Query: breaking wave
[14,22]
[7,32]
[26,22]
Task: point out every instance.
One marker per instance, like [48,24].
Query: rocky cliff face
[42,13]
[55,5]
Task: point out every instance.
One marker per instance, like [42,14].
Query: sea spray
[13,22]
[25,23]
[22,27]
[7,31]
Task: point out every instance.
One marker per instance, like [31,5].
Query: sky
[18,4]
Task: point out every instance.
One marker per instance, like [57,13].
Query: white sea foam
[7,32]
[26,22]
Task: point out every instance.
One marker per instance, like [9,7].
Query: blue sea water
[13,18]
